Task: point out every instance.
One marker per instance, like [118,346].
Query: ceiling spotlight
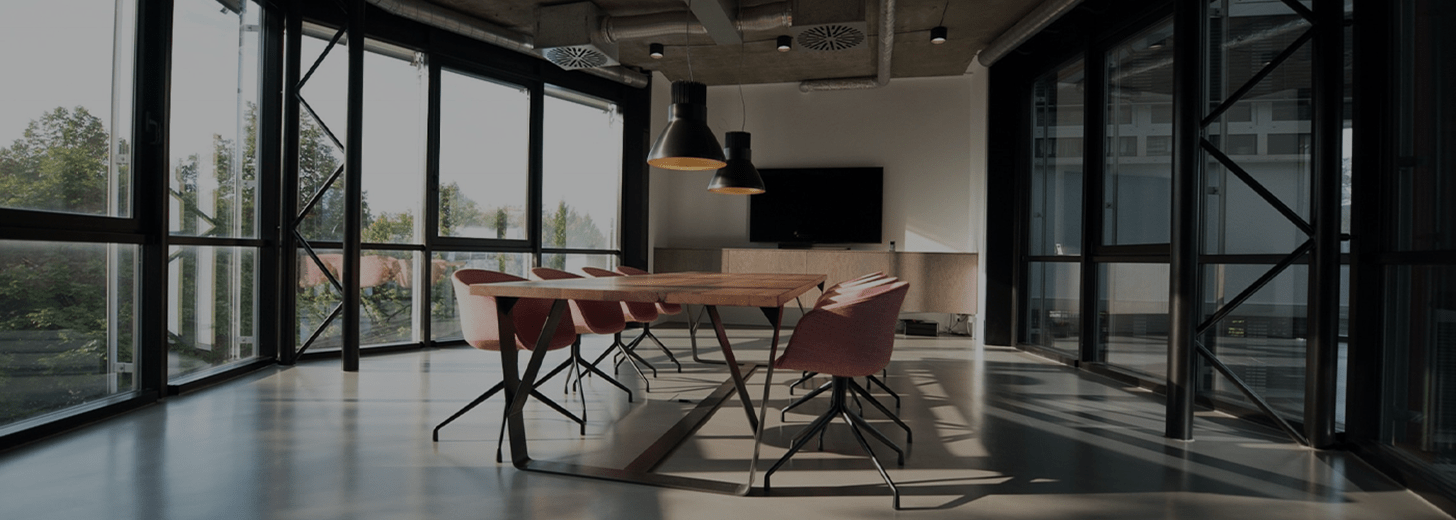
[937,35]
[785,43]
[654,50]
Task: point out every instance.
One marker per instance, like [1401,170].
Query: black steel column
[1184,301]
[1322,351]
[1374,109]
[1094,173]
[635,183]
[270,154]
[353,186]
[431,227]
[1005,213]
[288,188]
[150,163]
[535,206]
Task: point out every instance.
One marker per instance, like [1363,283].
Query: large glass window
[1134,307]
[316,299]
[322,123]
[393,168]
[395,104]
[1139,94]
[214,125]
[582,172]
[1420,403]
[1263,340]
[67,107]
[1054,316]
[67,308]
[1419,409]
[484,155]
[1056,163]
[1274,148]
[213,185]
[67,325]
[212,307]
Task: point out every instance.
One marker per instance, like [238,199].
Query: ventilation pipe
[767,17]
[472,27]
[1039,18]
[887,52]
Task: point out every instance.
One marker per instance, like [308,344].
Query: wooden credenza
[939,282]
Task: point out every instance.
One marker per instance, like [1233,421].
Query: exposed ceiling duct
[459,23]
[569,36]
[887,53]
[767,17]
[1046,13]
[829,25]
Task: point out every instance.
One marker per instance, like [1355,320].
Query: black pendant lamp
[739,177]
[687,143]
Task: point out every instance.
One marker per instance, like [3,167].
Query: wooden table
[768,292]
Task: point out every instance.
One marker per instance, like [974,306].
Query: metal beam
[1184,301]
[353,187]
[1322,351]
[720,18]
[288,187]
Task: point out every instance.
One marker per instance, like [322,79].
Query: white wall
[919,130]
[929,135]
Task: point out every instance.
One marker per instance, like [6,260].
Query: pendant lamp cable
[687,40]
[942,14]
[742,54]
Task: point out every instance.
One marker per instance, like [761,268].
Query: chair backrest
[634,311]
[849,337]
[842,293]
[629,270]
[478,314]
[850,283]
[591,317]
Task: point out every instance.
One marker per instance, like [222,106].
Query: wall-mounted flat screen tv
[806,206]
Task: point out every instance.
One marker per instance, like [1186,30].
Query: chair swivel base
[577,364]
[837,408]
[625,352]
[862,392]
[647,334]
[435,435]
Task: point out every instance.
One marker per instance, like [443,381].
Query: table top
[730,289]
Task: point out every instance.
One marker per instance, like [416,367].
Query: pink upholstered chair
[847,338]
[590,317]
[633,312]
[663,309]
[839,291]
[478,321]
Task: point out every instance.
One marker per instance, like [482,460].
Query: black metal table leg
[517,387]
[733,366]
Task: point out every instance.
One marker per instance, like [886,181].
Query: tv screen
[802,206]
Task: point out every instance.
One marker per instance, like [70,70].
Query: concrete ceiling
[972,25]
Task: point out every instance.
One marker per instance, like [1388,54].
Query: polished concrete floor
[998,434]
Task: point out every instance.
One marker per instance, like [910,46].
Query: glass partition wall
[69,256]
[213,180]
[154,237]
[1095,257]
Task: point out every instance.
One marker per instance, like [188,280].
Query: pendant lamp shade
[739,177]
[687,143]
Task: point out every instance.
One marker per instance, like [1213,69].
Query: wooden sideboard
[939,282]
